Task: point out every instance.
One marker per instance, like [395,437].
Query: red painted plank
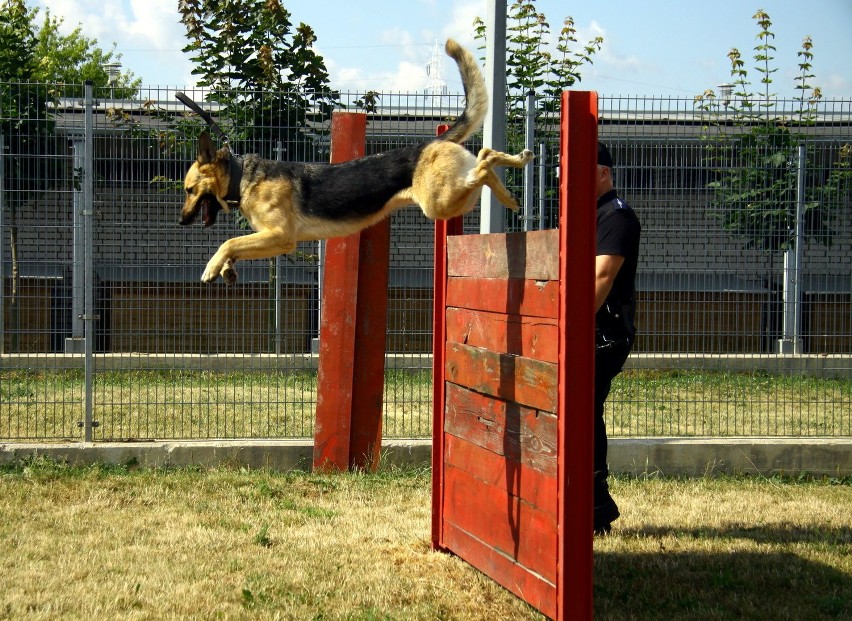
[523,435]
[533,255]
[518,479]
[530,337]
[576,356]
[527,585]
[525,381]
[368,387]
[352,335]
[532,298]
[503,522]
[443,229]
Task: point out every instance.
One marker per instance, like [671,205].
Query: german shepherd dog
[285,203]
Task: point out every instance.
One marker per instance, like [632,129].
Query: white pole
[494,136]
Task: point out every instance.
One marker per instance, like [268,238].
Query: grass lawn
[184,404]
[112,542]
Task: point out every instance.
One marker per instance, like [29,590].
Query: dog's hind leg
[490,158]
[483,173]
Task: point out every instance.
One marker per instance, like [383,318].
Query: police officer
[618,232]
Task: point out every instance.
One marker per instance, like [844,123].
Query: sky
[667,48]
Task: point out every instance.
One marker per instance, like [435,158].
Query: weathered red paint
[512,480]
[350,382]
[578,167]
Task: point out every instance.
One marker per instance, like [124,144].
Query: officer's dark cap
[604,156]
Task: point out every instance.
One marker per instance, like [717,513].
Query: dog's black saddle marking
[352,189]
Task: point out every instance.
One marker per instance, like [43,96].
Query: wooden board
[532,298]
[526,584]
[513,347]
[514,528]
[525,381]
[522,435]
[529,337]
[530,256]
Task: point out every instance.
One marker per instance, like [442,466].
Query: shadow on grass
[776,584]
[776,534]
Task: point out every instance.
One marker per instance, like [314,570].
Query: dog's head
[206,183]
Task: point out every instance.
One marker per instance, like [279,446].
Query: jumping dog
[285,203]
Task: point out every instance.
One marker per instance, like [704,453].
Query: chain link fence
[107,333]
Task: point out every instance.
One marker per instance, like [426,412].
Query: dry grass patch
[107,543]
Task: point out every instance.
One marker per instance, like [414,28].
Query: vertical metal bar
[791,338]
[542,187]
[78,148]
[2,237]
[279,150]
[799,246]
[492,219]
[88,214]
[529,143]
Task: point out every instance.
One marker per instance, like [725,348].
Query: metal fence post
[279,151]
[791,337]
[542,186]
[529,143]
[2,253]
[74,344]
[88,215]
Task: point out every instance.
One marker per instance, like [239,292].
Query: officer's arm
[606,268]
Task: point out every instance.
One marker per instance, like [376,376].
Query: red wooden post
[443,228]
[579,139]
[350,382]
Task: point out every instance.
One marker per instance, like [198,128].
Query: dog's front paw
[211,272]
[208,276]
[228,273]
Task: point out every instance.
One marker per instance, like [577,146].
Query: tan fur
[447,182]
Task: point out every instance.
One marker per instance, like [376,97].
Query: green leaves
[754,154]
[530,64]
[264,71]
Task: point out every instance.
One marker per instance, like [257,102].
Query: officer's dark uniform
[618,232]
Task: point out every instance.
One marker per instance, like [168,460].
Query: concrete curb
[665,456]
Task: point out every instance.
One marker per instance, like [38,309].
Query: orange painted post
[350,382]
[575,435]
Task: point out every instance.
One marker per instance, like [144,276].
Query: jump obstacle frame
[513,379]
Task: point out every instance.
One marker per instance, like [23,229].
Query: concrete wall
[637,457]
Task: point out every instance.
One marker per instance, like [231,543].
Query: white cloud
[460,25]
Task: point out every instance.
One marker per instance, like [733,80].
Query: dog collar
[235,174]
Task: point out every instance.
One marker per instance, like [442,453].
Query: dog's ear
[206,150]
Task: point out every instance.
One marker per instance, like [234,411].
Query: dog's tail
[476,95]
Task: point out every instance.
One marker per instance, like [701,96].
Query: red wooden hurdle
[513,372]
[513,379]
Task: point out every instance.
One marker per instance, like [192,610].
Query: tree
[753,149]
[73,59]
[530,63]
[264,73]
[33,62]
[22,124]
[534,65]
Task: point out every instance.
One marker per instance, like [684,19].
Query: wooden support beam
[350,382]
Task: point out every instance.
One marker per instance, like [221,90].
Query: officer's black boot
[606,511]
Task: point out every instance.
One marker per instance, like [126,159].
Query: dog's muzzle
[209,207]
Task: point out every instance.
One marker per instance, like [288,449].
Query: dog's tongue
[206,216]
